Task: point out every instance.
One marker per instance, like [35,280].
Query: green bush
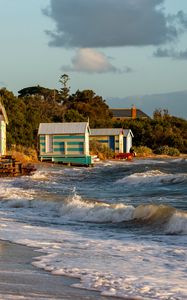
[166,150]
[143,151]
[102,151]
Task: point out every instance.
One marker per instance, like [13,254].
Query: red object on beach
[127,156]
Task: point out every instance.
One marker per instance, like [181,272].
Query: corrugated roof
[110,131]
[106,131]
[127,113]
[63,128]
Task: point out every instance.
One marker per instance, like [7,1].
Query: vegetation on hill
[161,130]
[31,108]
[38,104]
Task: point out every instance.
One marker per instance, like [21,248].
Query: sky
[127,51]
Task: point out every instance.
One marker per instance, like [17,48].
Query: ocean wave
[153,213]
[77,209]
[13,193]
[177,223]
[171,220]
[74,208]
[153,176]
[166,217]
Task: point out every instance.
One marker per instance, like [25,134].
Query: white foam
[122,268]
[9,192]
[152,176]
[149,161]
[40,175]
[79,210]
[116,263]
[177,223]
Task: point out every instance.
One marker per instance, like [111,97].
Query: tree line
[161,130]
[37,104]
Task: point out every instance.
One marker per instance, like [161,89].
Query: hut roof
[63,128]
[110,131]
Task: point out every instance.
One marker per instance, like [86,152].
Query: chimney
[133,112]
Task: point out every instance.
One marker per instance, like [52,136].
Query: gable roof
[106,131]
[63,128]
[110,131]
[128,132]
[3,112]
[127,113]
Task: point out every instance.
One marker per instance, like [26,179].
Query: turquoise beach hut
[118,140]
[66,143]
[3,123]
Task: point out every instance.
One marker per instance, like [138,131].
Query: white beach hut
[3,123]
[117,139]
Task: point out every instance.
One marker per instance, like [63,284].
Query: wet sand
[20,280]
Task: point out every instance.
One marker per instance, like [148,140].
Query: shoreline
[138,157]
[20,279]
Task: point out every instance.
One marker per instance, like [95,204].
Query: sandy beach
[20,280]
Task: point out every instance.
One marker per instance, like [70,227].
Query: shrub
[23,154]
[166,150]
[143,151]
[102,151]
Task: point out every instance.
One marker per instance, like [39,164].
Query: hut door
[49,143]
[112,142]
[124,144]
[62,147]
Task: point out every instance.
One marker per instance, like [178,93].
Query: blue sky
[122,49]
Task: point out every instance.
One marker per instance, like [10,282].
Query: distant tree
[52,95]
[160,114]
[64,90]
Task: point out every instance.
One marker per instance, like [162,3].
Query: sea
[120,227]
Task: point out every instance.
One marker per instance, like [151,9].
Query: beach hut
[65,143]
[127,140]
[3,123]
[117,139]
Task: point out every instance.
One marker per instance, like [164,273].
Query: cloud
[91,61]
[171,53]
[101,23]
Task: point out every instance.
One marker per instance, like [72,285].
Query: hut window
[48,143]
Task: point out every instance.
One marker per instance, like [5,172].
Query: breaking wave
[153,176]
[171,220]
[74,208]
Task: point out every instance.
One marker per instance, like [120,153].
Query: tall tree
[64,90]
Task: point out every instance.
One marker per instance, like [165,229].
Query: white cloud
[92,61]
